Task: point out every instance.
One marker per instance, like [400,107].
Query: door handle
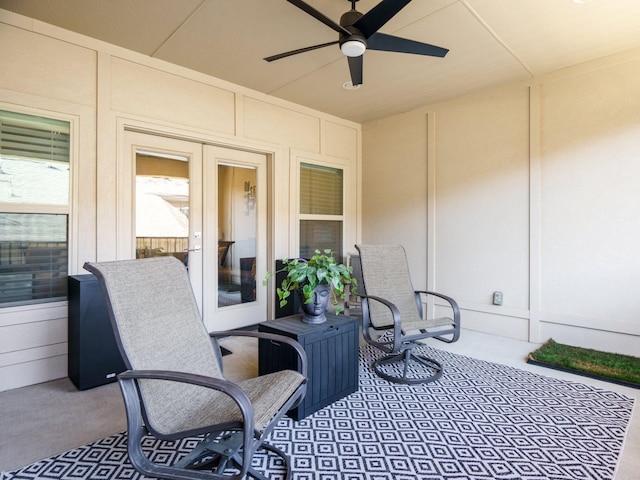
[197,248]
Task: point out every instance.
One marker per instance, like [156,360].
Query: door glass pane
[237,232]
[162,206]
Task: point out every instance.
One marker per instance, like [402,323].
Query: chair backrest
[354,262]
[158,327]
[385,274]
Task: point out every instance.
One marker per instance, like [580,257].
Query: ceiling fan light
[353,48]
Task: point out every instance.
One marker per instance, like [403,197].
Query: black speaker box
[294,305]
[94,358]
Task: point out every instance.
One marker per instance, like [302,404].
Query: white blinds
[320,190]
[28,136]
[321,197]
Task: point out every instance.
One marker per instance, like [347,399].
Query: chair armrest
[456,313]
[397,324]
[449,300]
[302,355]
[128,379]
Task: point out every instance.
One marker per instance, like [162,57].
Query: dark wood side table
[332,354]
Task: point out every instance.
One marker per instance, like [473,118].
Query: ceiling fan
[359,32]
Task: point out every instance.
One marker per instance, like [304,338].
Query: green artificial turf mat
[613,367]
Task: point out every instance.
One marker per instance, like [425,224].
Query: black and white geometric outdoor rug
[479,421]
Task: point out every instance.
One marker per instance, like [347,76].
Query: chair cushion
[268,392]
[199,407]
[432,324]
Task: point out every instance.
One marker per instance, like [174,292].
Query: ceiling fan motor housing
[355,44]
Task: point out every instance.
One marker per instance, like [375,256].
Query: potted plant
[316,280]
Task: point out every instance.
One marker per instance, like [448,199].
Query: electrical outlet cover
[497,298]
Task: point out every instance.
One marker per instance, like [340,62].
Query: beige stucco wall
[102,90]
[529,189]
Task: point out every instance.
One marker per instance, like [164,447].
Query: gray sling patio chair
[392,315]
[175,388]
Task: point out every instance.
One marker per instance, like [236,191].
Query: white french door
[235,225]
[206,206]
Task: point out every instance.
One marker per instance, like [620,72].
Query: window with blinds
[320,190]
[321,209]
[34,138]
[34,182]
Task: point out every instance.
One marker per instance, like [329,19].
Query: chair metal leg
[285,459]
[220,452]
[404,360]
[208,460]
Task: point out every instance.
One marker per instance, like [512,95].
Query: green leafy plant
[305,275]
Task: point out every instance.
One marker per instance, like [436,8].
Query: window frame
[297,217]
[37,208]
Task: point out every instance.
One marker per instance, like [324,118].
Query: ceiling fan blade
[299,50]
[375,18]
[389,43]
[355,68]
[319,16]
